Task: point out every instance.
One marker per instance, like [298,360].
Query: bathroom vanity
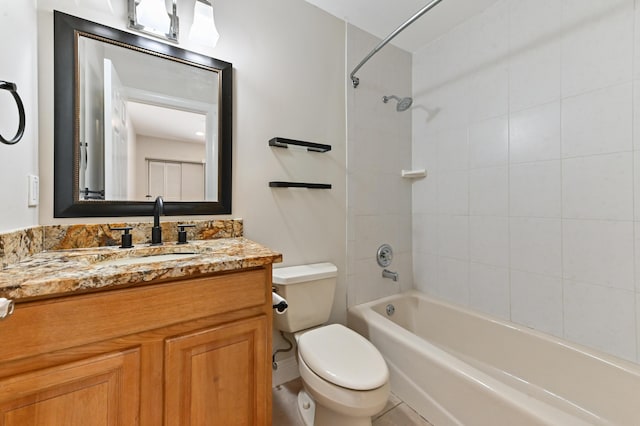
[102,341]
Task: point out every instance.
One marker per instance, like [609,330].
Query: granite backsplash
[18,245]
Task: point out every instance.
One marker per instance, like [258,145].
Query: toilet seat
[343,357]
[347,402]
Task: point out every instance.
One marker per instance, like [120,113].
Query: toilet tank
[308,290]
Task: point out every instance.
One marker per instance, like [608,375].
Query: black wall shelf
[280,184]
[311,146]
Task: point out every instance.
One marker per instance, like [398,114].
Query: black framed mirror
[136,118]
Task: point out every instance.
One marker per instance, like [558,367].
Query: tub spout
[388,274]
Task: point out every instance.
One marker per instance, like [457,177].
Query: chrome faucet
[388,274]
[156,231]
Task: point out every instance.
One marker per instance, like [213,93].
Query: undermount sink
[162,257]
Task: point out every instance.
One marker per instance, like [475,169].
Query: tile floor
[285,411]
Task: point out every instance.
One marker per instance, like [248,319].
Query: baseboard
[287,371]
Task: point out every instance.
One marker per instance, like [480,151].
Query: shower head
[403,104]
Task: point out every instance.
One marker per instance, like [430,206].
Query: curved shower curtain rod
[355,80]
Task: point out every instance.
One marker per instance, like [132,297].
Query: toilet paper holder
[278,302]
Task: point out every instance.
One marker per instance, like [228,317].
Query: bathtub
[455,366]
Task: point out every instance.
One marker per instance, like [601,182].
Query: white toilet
[343,373]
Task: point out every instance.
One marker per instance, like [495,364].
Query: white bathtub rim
[627,366]
[543,412]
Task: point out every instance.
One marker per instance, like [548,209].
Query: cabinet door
[103,390]
[219,376]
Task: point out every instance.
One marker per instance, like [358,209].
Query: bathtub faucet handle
[388,274]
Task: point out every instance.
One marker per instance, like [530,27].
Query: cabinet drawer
[45,326]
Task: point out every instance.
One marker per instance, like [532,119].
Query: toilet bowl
[345,378]
[344,374]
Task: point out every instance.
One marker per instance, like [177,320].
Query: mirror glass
[137,119]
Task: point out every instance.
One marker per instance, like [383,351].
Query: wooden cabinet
[101,390]
[188,352]
[211,375]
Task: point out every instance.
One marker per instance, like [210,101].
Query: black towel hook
[5,85]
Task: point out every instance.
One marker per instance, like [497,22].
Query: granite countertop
[64,272]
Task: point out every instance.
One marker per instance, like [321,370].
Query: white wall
[379,147]
[530,211]
[288,60]
[18,64]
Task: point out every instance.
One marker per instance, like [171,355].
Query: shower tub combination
[456,366]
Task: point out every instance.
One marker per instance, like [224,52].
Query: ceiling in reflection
[165,123]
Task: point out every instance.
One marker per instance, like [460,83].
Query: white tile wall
[597,48]
[489,289]
[489,142]
[453,236]
[598,187]
[488,35]
[488,191]
[597,122]
[536,245]
[534,134]
[452,149]
[489,240]
[488,94]
[455,273]
[600,317]
[534,76]
[453,192]
[425,193]
[425,274]
[536,301]
[537,164]
[534,60]
[535,189]
[533,23]
[378,198]
[598,252]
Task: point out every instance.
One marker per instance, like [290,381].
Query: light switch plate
[34,190]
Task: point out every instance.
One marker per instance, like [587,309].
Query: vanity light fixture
[151,17]
[203,30]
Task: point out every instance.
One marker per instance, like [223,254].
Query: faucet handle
[182,234]
[126,236]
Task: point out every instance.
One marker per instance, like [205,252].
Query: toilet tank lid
[303,273]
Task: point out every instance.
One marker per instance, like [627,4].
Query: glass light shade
[203,30]
[153,15]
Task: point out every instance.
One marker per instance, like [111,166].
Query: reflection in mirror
[143,135]
[149,120]
[171,160]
